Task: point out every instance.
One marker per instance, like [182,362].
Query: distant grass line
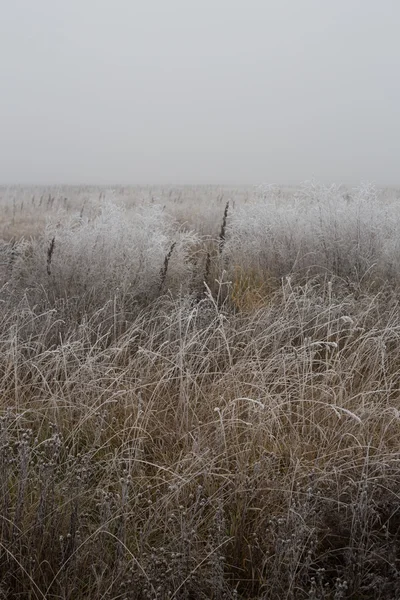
[181,421]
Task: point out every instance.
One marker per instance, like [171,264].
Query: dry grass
[239,440]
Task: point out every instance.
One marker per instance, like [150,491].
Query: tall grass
[319,230]
[240,443]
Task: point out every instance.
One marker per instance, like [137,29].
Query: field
[200,393]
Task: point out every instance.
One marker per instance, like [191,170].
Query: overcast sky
[199,91]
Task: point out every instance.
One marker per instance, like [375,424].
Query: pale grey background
[199,91]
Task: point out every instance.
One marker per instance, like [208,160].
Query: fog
[190,91]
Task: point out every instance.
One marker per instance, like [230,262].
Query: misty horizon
[217,93]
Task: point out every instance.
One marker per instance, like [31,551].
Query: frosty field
[200,393]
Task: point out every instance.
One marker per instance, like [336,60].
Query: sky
[199,91]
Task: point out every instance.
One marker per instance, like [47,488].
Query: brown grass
[238,444]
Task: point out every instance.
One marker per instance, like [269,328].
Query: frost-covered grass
[353,235]
[25,210]
[184,416]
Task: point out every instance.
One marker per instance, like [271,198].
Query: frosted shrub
[112,255]
[319,230]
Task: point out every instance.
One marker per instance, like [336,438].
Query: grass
[162,437]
